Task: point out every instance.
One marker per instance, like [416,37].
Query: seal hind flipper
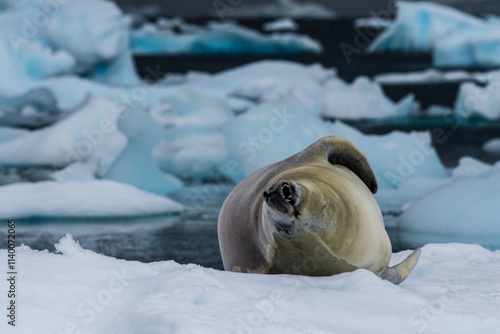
[401,271]
[340,151]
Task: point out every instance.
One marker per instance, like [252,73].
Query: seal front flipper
[401,271]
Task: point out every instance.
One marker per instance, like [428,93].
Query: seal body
[311,214]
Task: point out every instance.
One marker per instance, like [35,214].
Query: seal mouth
[286,192]
[283,196]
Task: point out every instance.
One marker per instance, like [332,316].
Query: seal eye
[286,192]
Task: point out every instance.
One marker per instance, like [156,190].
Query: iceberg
[98,294]
[279,8]
[96,199]
[479,100]
[134,165]
[454,38]
[284,24]
[492,146]
[194,145]
[88,134]
[42,40]
[218,38]
[342,100]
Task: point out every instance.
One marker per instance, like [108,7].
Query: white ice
[342,101]
[279,8]
[281,24]
[465,209]
[492,146]
[454,38]
[73,199]
[454,288]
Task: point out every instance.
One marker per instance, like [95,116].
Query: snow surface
[454,38]
[453,289]
[217,38]
[80,200]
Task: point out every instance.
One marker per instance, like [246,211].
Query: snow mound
[463,209]
[454,287]
[454,38]
[218,38]
[80,200]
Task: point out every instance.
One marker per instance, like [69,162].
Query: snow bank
[455,39]
[464,209]
[453,288]
[342,100]
[80,200]
[217,38]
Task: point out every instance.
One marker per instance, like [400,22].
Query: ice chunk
[492,146]
[38,107]
[280,8]
[281,24]
[193,146]
[420,26]
[342,100]
[474,99]
[80,199]
[219,38]
[270,80]
[135,163]
[44,40]
[454,38]
[463,210]
[88,134]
